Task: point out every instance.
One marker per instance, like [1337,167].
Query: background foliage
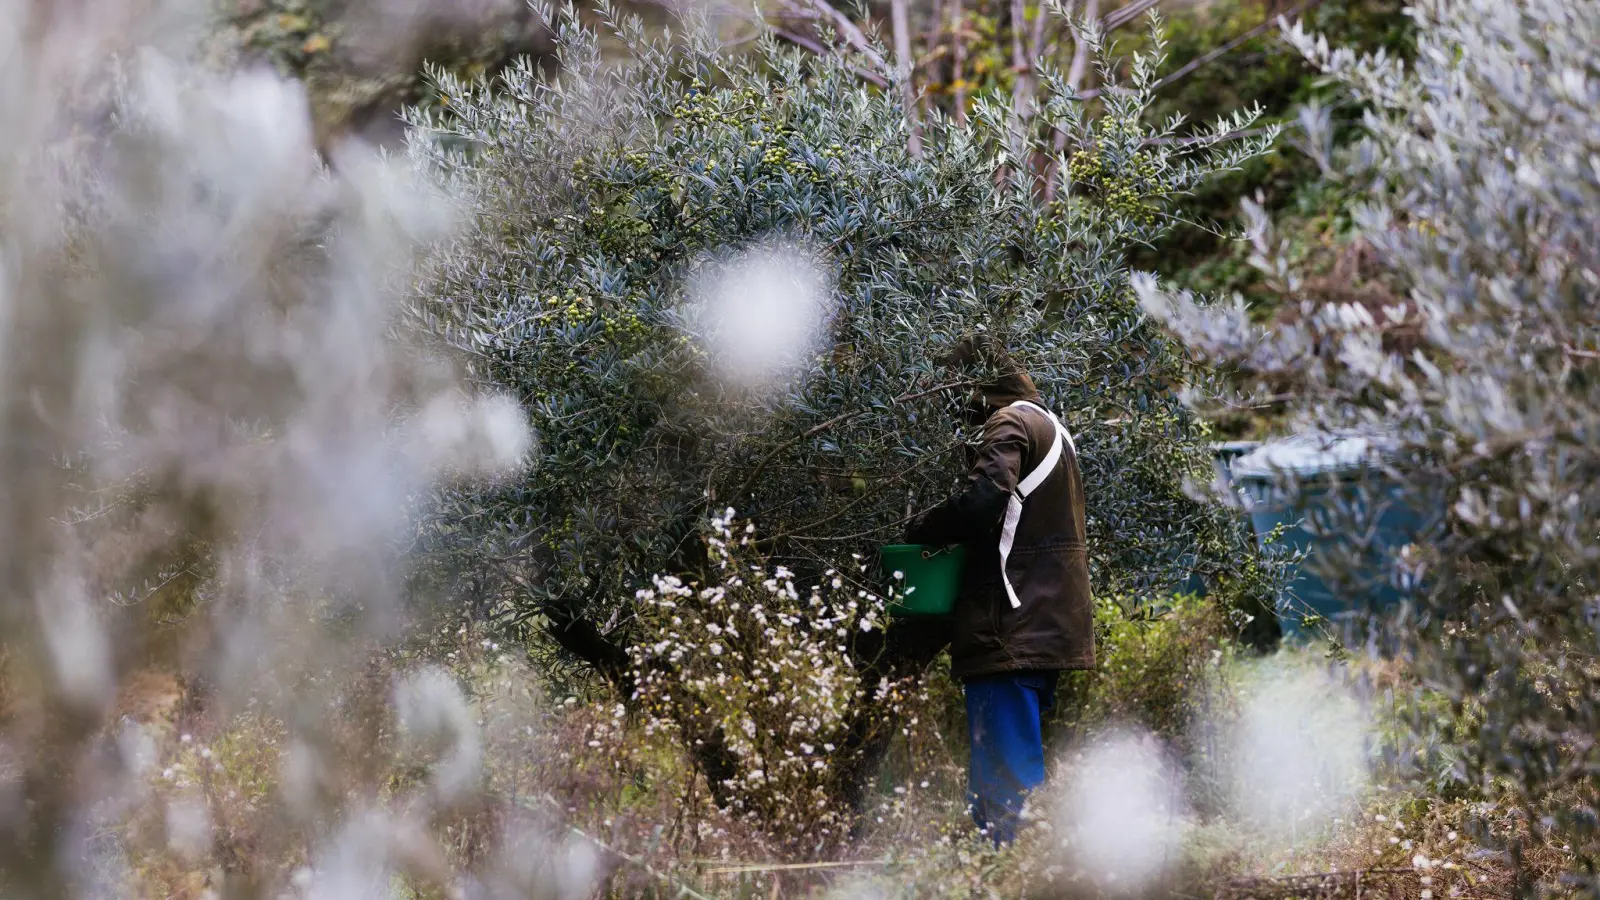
[1480,191]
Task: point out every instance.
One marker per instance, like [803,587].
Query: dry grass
[595,801]
[580,779]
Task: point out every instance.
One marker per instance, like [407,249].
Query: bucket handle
[930,554]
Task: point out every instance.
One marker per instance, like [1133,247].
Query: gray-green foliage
[598,194]
[1483,162]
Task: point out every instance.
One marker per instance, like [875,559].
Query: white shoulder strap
[1029,484]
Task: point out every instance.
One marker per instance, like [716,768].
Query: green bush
[1151,668]
[598,197]
[1157,672]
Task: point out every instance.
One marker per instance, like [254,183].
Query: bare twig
[1113,20]
[746,868]
[1019,19]
[799,40]
[1021,92]
[934,53]
[808,44]
[1080,48]
[845,538]
[1120,17]
[958,64]
[1025,56]
[818,523]
[936,25]
[1075,72]
[1213,55]
[901,24]
[846,29]
[683,890]
[1036,41]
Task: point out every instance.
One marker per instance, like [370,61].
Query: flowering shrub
[765,667]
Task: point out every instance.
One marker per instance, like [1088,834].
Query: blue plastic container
[1316,487]
[1224,454]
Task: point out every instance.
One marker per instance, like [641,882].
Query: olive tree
[1483,200]
[614,204]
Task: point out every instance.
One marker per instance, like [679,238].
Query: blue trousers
[1003,713]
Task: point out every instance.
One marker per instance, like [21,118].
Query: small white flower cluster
[762,667]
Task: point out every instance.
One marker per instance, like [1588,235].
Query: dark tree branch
[844,26]
[900,18]
[831,423]
[815,47]
[1120,17]
[1212,56]
[958,63]
[583,639]
[718,764]
[903,651]
[891,481]
[1230,46]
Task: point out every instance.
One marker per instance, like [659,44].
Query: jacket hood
[1003,382]
[1008,389]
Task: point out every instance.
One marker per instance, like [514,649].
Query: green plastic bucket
[932,577]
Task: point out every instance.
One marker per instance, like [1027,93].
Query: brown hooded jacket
[1053,628]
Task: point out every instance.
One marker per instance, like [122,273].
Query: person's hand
[913,530]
